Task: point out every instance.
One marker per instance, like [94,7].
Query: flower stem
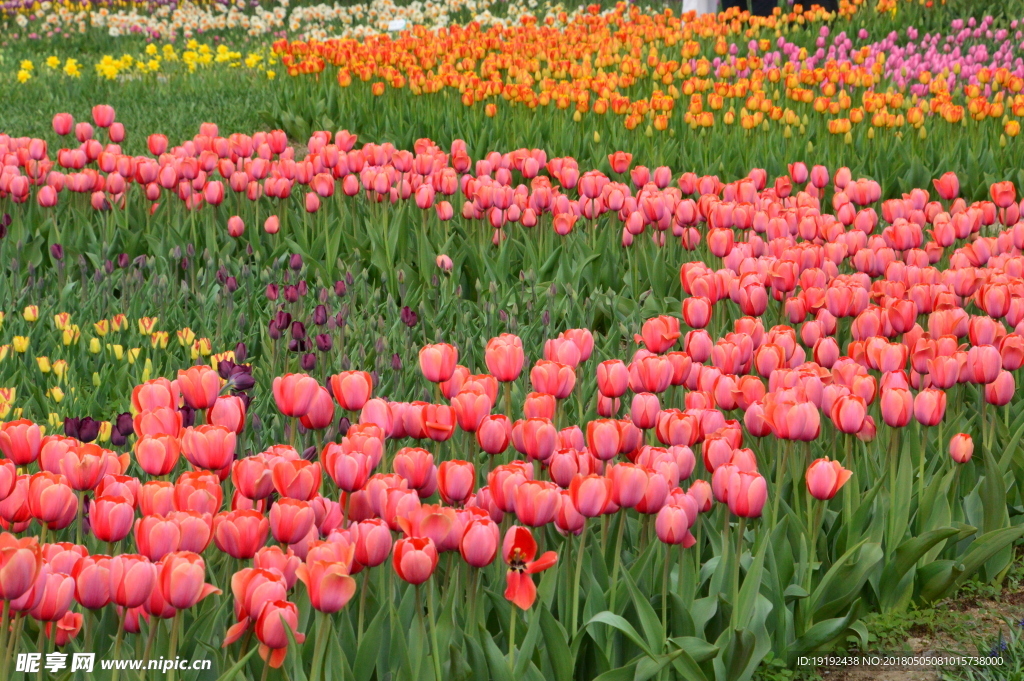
[576,582]
[512,638]
[618,561]
[120,637]
[435,652]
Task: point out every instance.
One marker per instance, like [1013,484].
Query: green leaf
[904,558]
[496,660]
[621,674]
[750,589]
[614,621]
[942,576]
[649,620]
[562,660]
[366,656]
[229,675]
[822,634]
[525,652]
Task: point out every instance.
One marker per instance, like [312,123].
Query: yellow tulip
[105,429]
[4,349]
[60,368]
[133,354]
[119,322]
[56,394]
[94,346]
[71,334]
[54,419]
[147,370]
[61,320]
[31,313]
[96,379]
[118,350]
[20,343]
[147,324]
[185,337]
[101,327]
[44,364]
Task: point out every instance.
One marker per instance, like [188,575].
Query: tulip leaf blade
[649,621]
[229,675]
[903,559]
[366,655]
[616,622]
[561,658]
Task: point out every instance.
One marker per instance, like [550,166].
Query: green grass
[175,105]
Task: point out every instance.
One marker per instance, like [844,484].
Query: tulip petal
[548,559]
[521,590]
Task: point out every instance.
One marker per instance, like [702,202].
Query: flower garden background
[480,340]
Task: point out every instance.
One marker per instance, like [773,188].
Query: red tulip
[209,447]
[132,578]
[51,500]
[227,411]
[824,478]
[1003,194]
[848,413]
[181,579]
[103,115]
[290,520]
[20,563]
[504,357]
[455,481]
[92,581]
[961,447]
[240,533]
[930,406]
[612,378]
[947,186]
[673,524]
[415,559]
[252,477]
[479,544]
[351,389]
[110,518]
[437,362]
[198,491]
[373,542]
[20,441]
[519,549]
[276,619]
[537,438]
[553,378]
[329,585]
[747,494]
[157,454]
[494,433]
[294,394]
[199,386]
[54,593]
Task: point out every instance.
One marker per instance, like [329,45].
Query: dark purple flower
[324,342]
[308,362]
[320,315]
[57,252]
[124,424]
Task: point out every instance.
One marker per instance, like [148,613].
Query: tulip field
[469,340]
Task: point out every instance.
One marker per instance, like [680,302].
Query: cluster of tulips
[774,434]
